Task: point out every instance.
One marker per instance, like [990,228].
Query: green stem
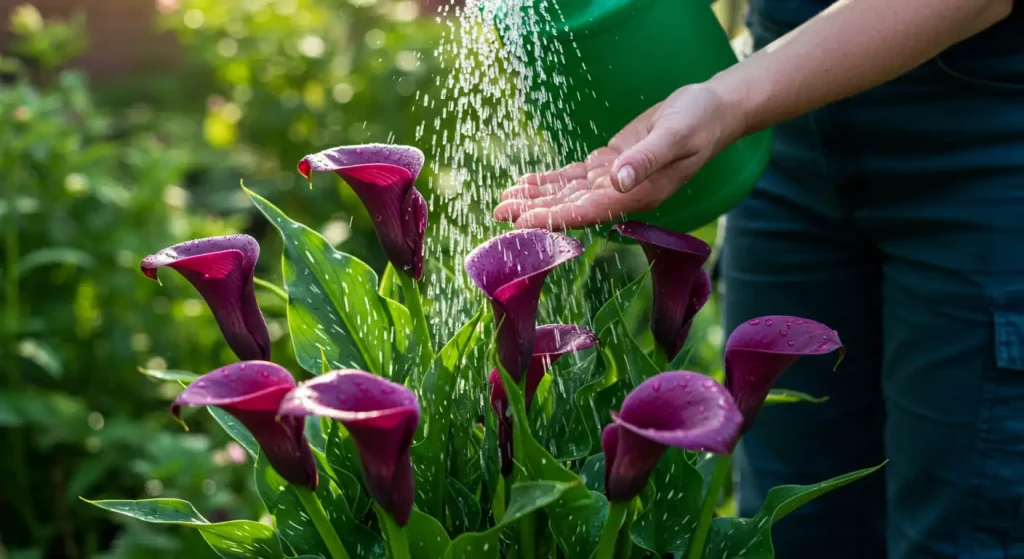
[272,288]
[723,463]
[323,525]
[625,545]
[411,291]
[398,541]
[610,532]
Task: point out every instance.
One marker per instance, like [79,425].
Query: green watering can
[634,53]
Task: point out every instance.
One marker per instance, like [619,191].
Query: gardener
[892,210]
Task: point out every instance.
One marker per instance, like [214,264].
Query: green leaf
[343,457]
[234,539]
[463,508]
[524,499]
[783,396]
[592,473]
[565,432]
[236,430]
[571,515]
[666,524]
[412,355]
[170,375]
[333,305]
[750,538]
[430,453]
[43,355]
[622,355]
[427,538]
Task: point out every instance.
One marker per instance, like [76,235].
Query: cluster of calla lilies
[680,409]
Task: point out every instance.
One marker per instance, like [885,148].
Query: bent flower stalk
[221,269]
[382,176]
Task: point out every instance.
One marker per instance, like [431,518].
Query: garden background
[125,126]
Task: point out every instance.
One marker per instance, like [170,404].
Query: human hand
[640,167]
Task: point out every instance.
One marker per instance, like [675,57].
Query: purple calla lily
[252,392]
[221,269]
[510,269]
[551,342]
[681,409]
[759,350]
[383,176]
[681,286]
[381,416]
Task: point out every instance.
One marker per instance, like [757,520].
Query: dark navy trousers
[897,218]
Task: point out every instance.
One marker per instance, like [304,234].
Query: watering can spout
[633,53]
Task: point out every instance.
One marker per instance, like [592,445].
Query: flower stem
[397,539]
[527,537]
[411,291]
[498,504]
[323,525]
[723,463]
[281,293]
[610,533]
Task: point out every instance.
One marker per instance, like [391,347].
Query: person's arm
[852,46]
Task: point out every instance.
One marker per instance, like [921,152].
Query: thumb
[651,154]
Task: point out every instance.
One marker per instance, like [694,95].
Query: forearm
[849,48]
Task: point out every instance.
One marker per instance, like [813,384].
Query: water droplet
[768,322]
[783,333]
[754,322]
[656,386]
[791,343]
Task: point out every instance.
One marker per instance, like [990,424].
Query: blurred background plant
[99,168]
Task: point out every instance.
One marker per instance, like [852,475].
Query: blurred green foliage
[96,177]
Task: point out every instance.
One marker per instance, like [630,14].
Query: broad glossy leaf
[427,538]
[565,432]
[524,499]
[343,457]
[333,305]
[667,522]
[622,354]
[784,396]
[234,539]
[67,256]
[411,355]
[462,508]
[750,538]
[430,452]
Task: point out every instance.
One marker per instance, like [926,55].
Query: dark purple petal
[252,391]
[221,269]
[510,269]
[383,176]
[758,351]
[550,342]
[381,416]
[499,403]
[681,286]
[681,409]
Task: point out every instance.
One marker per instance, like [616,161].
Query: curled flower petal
[381,416]
[251,391]
[221,269]
[510,269]
[759,350]
[680,409]
[552,341]
[681,286]
[383,176]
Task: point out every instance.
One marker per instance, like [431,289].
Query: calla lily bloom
[759,350]
[252,391]
[381,416]
[551,342]
[221,269]
[510,269]
[680,409]
[681,286]
[382,176]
